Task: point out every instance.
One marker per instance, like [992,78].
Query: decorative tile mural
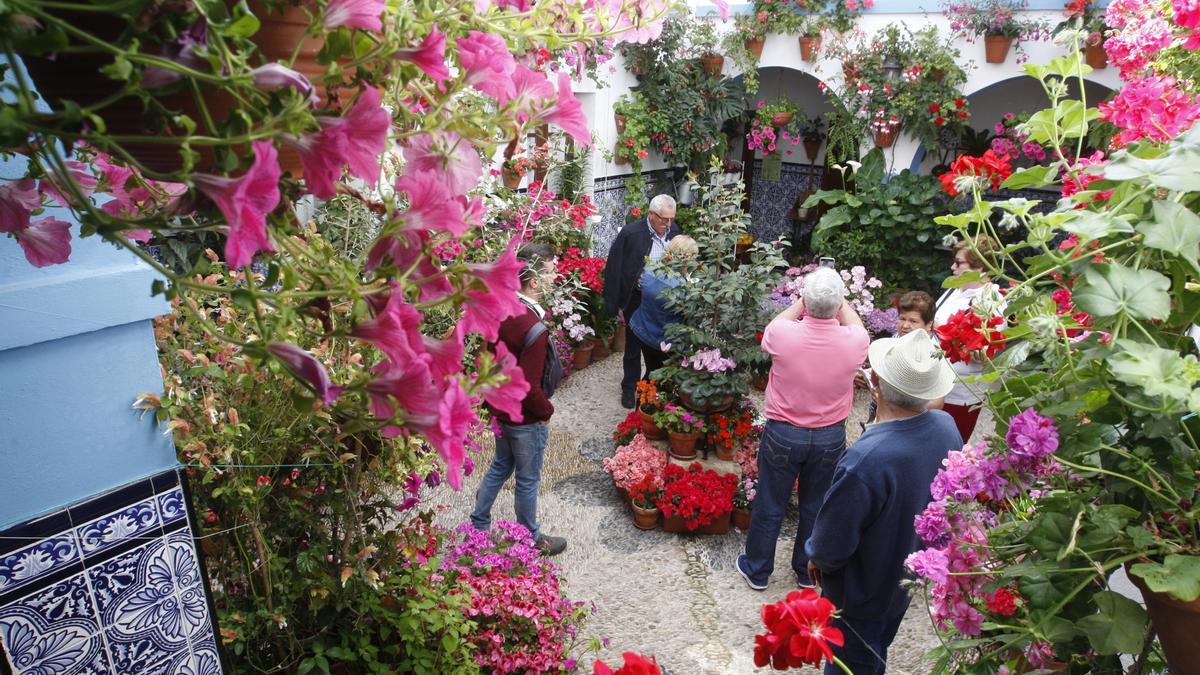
[608,194]
[112,585]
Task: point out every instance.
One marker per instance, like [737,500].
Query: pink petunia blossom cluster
[1153,108]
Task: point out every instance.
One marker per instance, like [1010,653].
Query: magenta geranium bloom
[362,14]
[245,203]
[46,242]
[448,154]
[507,397]
[430,56]
[431,203]
[306,367]
[488,64]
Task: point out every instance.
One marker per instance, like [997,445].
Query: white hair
[900,399]
[824,292]
[661,202]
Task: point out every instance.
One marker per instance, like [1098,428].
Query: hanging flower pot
[812,149]
[809,46]
[619,156]
[886,137]
[1095,56]
[651,430]
[512,179]
[644,519]
[620,120]
[996,47]
[582,356]
[683,446]
[755,46]
[741,519]
[781,119]
[1177,624]
[712,63]
[848,70]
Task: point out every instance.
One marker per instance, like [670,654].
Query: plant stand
[996,47]
[676,524]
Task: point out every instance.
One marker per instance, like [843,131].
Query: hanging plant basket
[809,46]
[848,70]
[618,155]
[1095,56]
[996,47]
[812,149]
[712,63]
[620,120]
[885,139]
[781,119]
[755,46]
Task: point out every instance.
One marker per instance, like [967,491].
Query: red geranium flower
[991,167]
[965,333]
[798,632]
[635,664]
[1003,602]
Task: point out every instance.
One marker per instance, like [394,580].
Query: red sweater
[535,407]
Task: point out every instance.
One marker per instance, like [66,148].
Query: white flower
[855,166]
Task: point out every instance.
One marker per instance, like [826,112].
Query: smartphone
[829,262]
[866,373]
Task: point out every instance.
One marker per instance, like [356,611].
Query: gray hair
[824,293]
[661,202]
[900,399]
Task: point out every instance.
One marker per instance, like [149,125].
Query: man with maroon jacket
[521,446]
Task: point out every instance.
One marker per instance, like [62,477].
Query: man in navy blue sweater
[864,529]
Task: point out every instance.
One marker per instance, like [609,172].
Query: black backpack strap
[535,331]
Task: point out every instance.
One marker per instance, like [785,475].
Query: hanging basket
[620,120]
[781,119]
[812,149]
[512,179]
[1095,56]
[712,63]
[755,46]
[885,139]
[996,47]
[809,46]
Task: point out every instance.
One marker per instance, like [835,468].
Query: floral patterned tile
[53,631]
[140,519]
[24,566]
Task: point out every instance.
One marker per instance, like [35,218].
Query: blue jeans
[519,448]
[785,454]
[867,642]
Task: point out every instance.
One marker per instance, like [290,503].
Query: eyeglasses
[959,261]
[662,218]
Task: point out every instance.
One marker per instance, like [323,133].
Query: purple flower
[929,564]
[932,525]
[1031,434]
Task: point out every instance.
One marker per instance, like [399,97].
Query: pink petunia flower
[245,203]
[507,397]
[366,128]
[445,356]
[395,330]
[488,64]
[17,199]
[531,88]
[274,76]
[53,185]
[46,242]
[430,56]
[567,113]
[362,14]
[447,153]
[306,367]
[497,300]
[323,157]
[431,204]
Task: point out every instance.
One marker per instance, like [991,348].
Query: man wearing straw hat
[864,530]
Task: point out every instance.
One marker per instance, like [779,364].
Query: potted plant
[743,502]
[999,23]
[812,134]
[683,429]
[634,462]
[695,499]
[730,430]
[703,43]
[937,56]
[643,498]
[628,428]
[1083,15]
[513,170]
[567,309]
[810,27]
[751,30]
[650,401]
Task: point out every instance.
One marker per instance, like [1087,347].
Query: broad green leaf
[1158,371]
[1072,118]
[872,171]
[1113,289]
[1119,626]
[1175,229]
[834,217]
[1176,575]
[1052,532]
[1178,169]
[1092,225]
[1041,126]
[1034,176]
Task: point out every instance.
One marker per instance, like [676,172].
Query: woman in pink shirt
[809,396]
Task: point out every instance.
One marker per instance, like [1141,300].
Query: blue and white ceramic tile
[771,200]
[136,607]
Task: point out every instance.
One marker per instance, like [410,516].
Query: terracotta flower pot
[620,120]
[512,179]
[759,382]
[781,119]
[683,446]
[600,349]
[678,524]
[741,519]
[1177,624]
[644,519]
[809,46]
[885,139]
[582,356]
[812,149]
[618,339]
[651,430]
[1095,56]
[618,157]
[725,453]
[713,63]
[755,46]
[996,47]
[937,74]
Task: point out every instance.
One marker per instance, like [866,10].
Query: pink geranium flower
[448,154]
[507,397]
[430,56]
[488,64]
[307,368]
[395,330]
[1150,108]
[567,113]
[431,204]
[497,300]
[46,242]
[17,199]
[362,14]
[245,203]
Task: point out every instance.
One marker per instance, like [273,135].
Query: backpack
[552,373]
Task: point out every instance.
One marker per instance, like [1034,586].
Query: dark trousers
[655,358]
[866,648]
[632,361]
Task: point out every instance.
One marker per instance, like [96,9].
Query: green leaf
[1113,289]
[1034,176]
[1158,371]
[1052,532]
[1175,229]
[1041,126]
[1177,170]
[1118,628]
[1177,576]
[120,69]
[1092,225]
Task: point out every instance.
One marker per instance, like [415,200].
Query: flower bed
[697,496]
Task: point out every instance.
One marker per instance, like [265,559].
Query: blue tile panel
[112,585]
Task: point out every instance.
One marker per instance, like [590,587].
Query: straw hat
[912,364]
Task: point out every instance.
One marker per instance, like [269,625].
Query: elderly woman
[966,399]
[809,396]
[649,322]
